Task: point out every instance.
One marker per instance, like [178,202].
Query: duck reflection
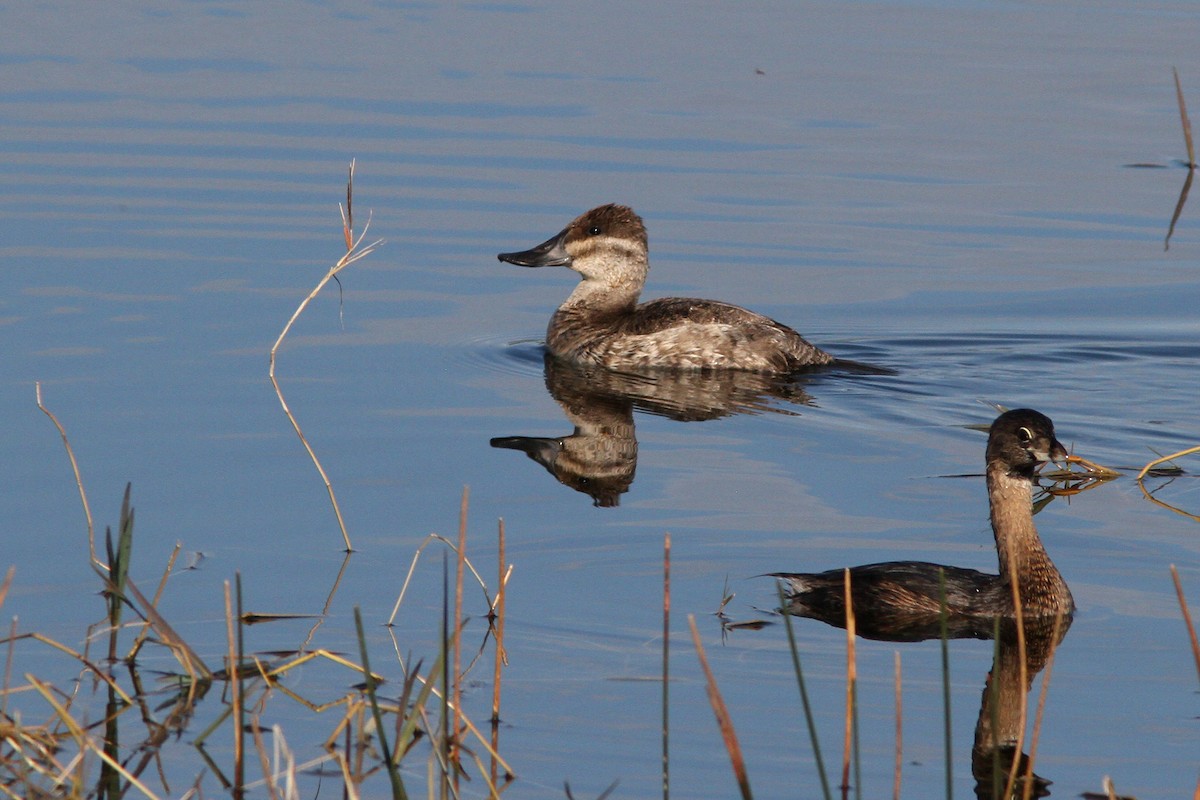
[600,457]
[902,600]
[1004,711]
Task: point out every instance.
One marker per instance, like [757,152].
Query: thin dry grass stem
[1091,469]
[434,537]
[1023,713]
[337,581]
[848,742]
[354,251]
[1164,459]
[1149,495]
[4,587]
[728,735]
[87,509]
[82,740]
[1183,118]
[459,622]
[80,657]
[899,732]
[497,615]
[187,657]
[1027,789]
[8,656]
[158,593]
[947,733]
[666,668]
[398,792]
[264,762]
[1179,204]
[796,666]
[235,687]
[1187,617]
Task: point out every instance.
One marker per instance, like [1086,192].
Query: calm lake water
[939,189]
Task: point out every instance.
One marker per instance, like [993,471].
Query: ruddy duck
[601,322]
[907,593]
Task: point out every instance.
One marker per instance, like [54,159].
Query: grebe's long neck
[1018,546]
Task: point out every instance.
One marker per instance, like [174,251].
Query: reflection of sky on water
[935,188]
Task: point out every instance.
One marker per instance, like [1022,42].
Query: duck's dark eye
[594,230]
[1025,435]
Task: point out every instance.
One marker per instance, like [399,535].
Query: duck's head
[607,243]
[1021,440]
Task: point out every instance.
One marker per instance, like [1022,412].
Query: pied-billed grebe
[907,592]
[602,323]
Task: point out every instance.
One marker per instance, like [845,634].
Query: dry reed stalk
[1023,708]
[498,627]
[353,253]
[433,537]
[808,717]
[947,733]
[453,752]
[393,772]
[666,668]
[1179,204]
[82,740]
[851,680]
[4,587]
[1146,493]
[235,688]
[1163,459]
[1183,118]
[261,748]
[80,657]
[87,509]
[728,735]
[1027,790]
[187,657]
[1187,617]
[8,656]
[158,593]
[899,733]
[328,603]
